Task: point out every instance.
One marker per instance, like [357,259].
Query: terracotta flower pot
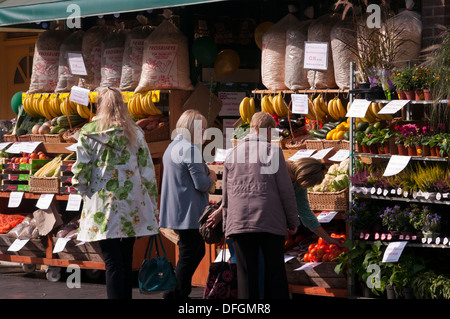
[411,151]
[419,95]
[410,95]
[419,150]
[365,149]
[383,148]
[426,150]
[433,151]
[401,95]
[373,149]
[427,95]
[401,149]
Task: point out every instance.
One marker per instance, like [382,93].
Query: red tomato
[326,257]
[307,258]
[321,241]
[310,247]
[334,249]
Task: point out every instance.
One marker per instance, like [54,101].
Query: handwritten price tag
[340,156]
[44,201]
[326,217]
[393,107]
[393,251]
[74,202]
[79,95]
[18,244]
[301,154]
[15,198]
[60,245]
[358,108]
[396,164]
[76,63]
[299,103]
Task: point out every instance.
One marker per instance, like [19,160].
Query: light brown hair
[308,172]
[113,111]
[262,120]
[187,124]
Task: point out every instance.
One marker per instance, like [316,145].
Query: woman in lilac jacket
[259,208]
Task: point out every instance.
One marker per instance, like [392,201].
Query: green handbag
[156,274]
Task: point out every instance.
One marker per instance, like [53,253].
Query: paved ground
[16,284]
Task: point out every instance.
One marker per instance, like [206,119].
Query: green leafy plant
[403,79]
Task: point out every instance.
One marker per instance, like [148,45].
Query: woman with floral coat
[115,175]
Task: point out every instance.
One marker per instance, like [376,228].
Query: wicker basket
[160,133]
[323,144]
[10,138]
[329,201]
[37,138]
[54,138]
[24,138]
[44,185]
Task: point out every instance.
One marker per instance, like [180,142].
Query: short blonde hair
[308,172]
[186,124]
[262,120]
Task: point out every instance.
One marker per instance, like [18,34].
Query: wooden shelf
[318,291]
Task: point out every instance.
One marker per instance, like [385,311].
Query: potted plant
[410,136]
[444,145]
[402,79]
[395,219]
[429,285]
[419,80]
[432,142]
[403,274]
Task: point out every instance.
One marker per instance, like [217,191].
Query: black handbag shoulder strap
[151,239]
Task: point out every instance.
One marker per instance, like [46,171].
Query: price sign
[301,154]
[76,63]
[79,95]
[74,202]
[60,245]
[299,103]
[18,244]
[15,198]
[308,266]
[322,153]
[393,106]
[340,156]
[44,201]
[396,164]
[4,145]
[393,251]
[326,217]
[316,56]
[358,108]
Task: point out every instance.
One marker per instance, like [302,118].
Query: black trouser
[191,251]
[248,247]
[118,256]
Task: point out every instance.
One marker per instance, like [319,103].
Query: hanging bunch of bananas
[372,112]
[336,109]
[267,104]
[247,109]
[141,105]
[41,105]
[317,109]
[279,106]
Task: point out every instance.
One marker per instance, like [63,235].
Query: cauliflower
[343,166]
[333,169]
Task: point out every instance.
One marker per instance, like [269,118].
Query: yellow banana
[251,108]
[243,109]
[320,114]
[130,107]
[83,111]
[266,104]
[28,108]
[280,106]
[331,109]
[311,114]
[340,107]
[322,104]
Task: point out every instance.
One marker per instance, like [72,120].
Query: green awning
[29,11]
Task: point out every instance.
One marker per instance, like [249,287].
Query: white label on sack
[76,63]
[316,56]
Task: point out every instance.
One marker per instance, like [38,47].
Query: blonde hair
[112,111]
[186,124]
[308,172]
[262,120]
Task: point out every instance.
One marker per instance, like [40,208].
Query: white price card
[358,108]
[322,153]
[4,145]
[396,164]
[393,107]
[74,202]
[299,103]
[60,245]
[18,244]
[221,154]
[79,95]
[44,201]
[316,56]
[393,251]
[326,217]
[308,266]
[340,156]
[301,154]
[29,147]
[15,198]
[76,63]
[72,147]
[16,148]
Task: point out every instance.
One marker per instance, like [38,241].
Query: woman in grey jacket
[184,195]
[259,208]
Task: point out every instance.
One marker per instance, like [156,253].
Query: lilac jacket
[257,193]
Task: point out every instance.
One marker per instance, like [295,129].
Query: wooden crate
[89,251]
[296,277]
[34,247]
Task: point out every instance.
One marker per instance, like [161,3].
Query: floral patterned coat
[118,185]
